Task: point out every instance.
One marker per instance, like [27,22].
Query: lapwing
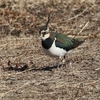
[57,44]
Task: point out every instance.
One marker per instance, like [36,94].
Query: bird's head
[44,30]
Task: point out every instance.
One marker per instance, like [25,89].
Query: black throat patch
[47,43]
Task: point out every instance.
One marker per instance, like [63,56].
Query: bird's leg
[64,60]
[59,62]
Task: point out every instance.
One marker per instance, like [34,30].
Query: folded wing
[67,43]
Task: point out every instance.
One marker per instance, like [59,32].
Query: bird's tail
[81,40]
[77,42]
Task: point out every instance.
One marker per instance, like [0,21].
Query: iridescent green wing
[67,43]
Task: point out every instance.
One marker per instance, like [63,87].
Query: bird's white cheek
[46,36]
[43,38]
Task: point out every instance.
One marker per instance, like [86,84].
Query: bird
[57,44]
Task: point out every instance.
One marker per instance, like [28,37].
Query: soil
[27,73]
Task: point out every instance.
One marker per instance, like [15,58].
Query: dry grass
[79,79]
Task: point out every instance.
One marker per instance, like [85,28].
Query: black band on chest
[47,43]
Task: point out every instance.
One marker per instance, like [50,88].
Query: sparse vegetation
[20,44]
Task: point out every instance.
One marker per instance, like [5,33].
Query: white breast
[55,51]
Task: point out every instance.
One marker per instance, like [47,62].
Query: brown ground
[79,79]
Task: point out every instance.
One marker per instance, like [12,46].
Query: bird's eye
[44,33]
